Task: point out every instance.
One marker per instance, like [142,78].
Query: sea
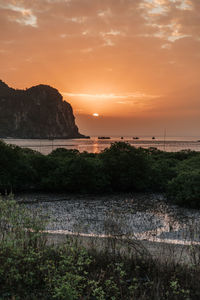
[95,145]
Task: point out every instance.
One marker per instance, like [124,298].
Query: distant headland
[34,113]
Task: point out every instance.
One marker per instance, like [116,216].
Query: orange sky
[134,62]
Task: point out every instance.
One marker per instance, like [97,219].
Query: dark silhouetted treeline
[120,168]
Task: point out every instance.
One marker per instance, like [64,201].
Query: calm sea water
[95,145]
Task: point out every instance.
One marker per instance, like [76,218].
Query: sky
[135,63]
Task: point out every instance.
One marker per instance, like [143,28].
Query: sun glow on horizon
[95,115]
[111,104]
[123,66]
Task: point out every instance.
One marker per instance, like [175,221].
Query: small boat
[153,138]
[136,138]
[103,138]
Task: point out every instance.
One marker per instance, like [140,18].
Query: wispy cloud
[135,95]
[108,56]
[156,12]
[26,18]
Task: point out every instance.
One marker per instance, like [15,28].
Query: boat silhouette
[103,138]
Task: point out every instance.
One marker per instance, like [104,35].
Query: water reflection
[94,145]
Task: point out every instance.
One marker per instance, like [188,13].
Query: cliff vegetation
[37,112]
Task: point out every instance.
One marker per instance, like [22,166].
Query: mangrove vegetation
[120,168]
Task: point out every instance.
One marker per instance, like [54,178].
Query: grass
[30,268]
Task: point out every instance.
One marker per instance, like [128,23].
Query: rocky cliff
[37,112]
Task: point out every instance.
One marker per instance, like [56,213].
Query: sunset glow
[136,63]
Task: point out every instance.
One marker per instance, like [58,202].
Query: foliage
[127,167]
[185,189]
[120,168]
[31,269]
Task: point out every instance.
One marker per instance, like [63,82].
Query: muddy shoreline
[145,216]
[131,224]
[162,252]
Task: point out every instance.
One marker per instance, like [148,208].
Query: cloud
[23,16]
[172,19]
[135,95]
[104,50]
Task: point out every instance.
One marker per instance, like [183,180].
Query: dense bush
[120,168]
[16,172]
[77,174]
[185,189]
[128,168]
[162,171]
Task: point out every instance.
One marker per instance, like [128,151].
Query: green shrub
[128,168]
[120,168]
[185,189]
